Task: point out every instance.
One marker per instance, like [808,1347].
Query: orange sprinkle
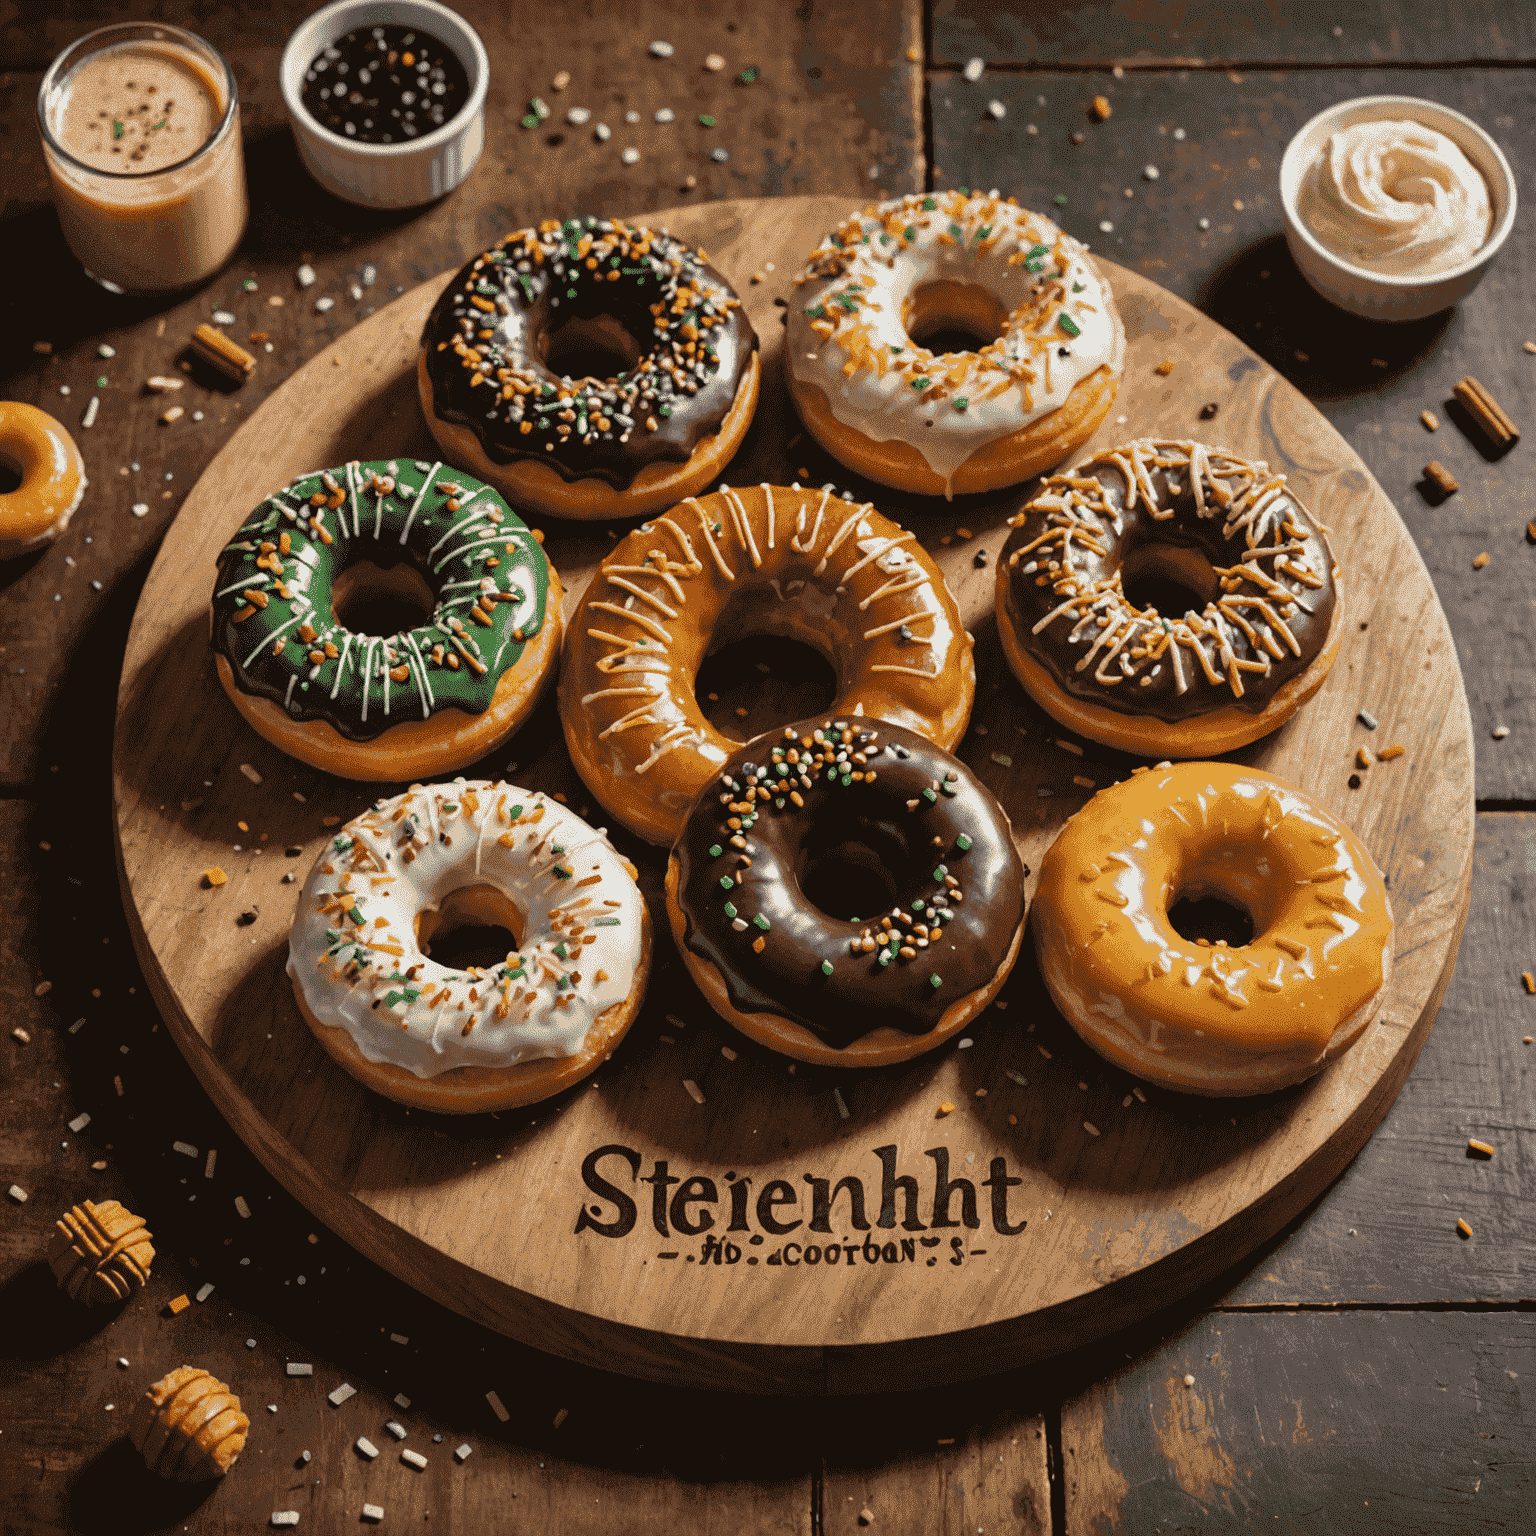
[1473,1145]
[1530,982]
[329,821]
[179,1305]
[1481,561]
[946,1108]
[1363,757]
[214,876]
[1165,367]
[1388,753]
[1463,1227]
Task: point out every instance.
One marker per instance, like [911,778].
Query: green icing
[364,684]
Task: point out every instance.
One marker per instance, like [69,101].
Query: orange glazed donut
[766,560]
[1094,651]
[499,399]
[52,478]
[882,403]
[1200,1018]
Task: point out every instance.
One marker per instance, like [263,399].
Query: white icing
[343,968]
[1396,197]
[1016,381]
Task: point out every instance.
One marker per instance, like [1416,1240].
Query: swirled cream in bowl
[1395,206]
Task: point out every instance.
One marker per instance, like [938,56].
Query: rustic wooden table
[1366,1372]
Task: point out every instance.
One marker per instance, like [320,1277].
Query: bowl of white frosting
[1395,206]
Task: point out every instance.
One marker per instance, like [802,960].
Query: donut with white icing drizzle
[767,560]
[1177,520]
[488,1037]
[964,421]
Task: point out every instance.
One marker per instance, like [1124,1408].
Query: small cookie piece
[189,1426]
[100,1254]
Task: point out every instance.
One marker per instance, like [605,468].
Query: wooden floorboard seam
[1524,1304]
[1217,66]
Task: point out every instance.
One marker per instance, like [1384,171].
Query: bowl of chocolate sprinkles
[387,99]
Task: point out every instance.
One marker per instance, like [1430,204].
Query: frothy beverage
[141,134]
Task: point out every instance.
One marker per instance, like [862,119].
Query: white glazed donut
[960,421]
[485,1038]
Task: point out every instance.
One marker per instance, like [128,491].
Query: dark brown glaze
[1254,555]
[625,289]
[941,840]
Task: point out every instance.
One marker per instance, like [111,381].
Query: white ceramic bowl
[1377,295]
[388,175]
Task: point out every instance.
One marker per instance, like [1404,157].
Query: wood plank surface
[1307,32]
[1102,1248]
[1349,1422]
[1371,381]
[835,97]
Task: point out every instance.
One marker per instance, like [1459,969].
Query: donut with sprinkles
[388,539]
[1169,599]
[662,378]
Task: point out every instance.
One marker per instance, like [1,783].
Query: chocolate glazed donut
[489,376]
[937,860]
[1167,520]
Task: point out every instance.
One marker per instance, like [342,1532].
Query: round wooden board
[486,1214]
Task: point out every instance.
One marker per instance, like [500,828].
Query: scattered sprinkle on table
[946,1108]
[1101,108]
[305,275]
[662,50]
[295,1368]
[1430,420]
[1105,227]
[1189,1380]
[1500,732]
[399,1338]
[1002,759]
[413,1459]
[1388,753]
[205,1290]
[366,1447]
[241,1206]
[285,1517]
[324,304]
[1363,758]
[973,70]
[1090,1127]
[1482,1148]
[1166,367]
[80,1122]
[1530,982]
[694,1091]
[341,1394]
[1367,719]
[630,156]
[18,1194]
[89,419]
[223,317]
[396,1428]
[1463,1226]
[996,110]
[178,1304]
[185,1148]
[842,1108]
[497,1407]
[714,63]
[374,1512]
[464,1452]
[401,1400]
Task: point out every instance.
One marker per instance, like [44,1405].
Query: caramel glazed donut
[52,475]
[764,560]
[486,1037]
[1127,676]
[838,790]
[1201,1018]
[587,448]
[886,406]
[424,700]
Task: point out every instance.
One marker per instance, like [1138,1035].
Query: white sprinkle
[342,1393]
[662,50]
[80,1122]
[631,116]
[719,156]
[842,1109]
[602,133]
[122,1360]
[1105,227]
[1500,732]
[324,304]
[373,1512]
[108,1407]
[1149,173]
[579,115]
[996,110]
[1203,224]
[464,1452]
[714,63]
[105,351]
[1189,1380]
[18,1194]
[694,1091]
[1368,720]
[305,275]
[973,69]
[63,389]
[399,1338]
[496,1407]
[89,419]
[205,1291]
[285,1517]
[370,275]
[304,1457]
[1178,133]
[367,1447]
[197,415]
[223,317]
[250,1343]
[355,291]
[139,508]
[630,156]
[413,1459]
[185,1148]
[297,1369]
[19,1033]
[401,1400]
[210,1162]
[396,1428]
[664,115]
[965,1044]
[241,1206]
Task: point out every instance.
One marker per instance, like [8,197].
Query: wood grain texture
[1428,1430]
[1371,381]
[1314,32]
[1104,1243]
[835,97]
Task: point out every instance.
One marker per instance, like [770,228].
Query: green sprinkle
[1002,760]
[1061,199]
[560,949]
[1037,253]
[727,884]
[249,285]
[939,873]
[961,402]
[705,120]
[332,937]
[963,191]
[935,980]
[949,787]
[341,843]
[562,872]
[517,811]
[730,909]
[920,383]
[1077,287]
[983,232]
[963,843]
[531,121]
[516,975]
[910,232]
[919,904]
[826,967]
[391,998]
[749,75]
[957,232]
[885,957]
[160,124]
[898,349]
[1016,1077]
[847,780]
[946,914]
[761,922]
[605,922]
[117,129]
[664,411]
[561,983]
[930,796]
[101,383]
[570,293]
[1068,324]
[715,850]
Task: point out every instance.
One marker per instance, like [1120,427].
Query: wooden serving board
[568,1225]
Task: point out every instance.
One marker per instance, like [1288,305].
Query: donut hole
[1169,578]
[1197,915]
[846,870]
[474,925]
[372,599]
[10,474]
[770,677]
[591,347]
[947,317]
